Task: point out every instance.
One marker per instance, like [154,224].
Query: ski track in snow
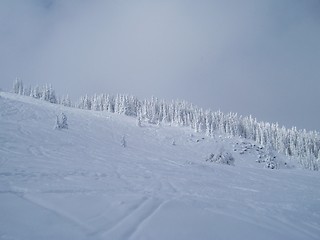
[126,227]
[81,183]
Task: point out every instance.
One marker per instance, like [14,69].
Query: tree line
[302,144]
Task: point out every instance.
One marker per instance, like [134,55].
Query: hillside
[82,183]
[294,143]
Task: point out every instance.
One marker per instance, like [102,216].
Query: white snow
[81,183]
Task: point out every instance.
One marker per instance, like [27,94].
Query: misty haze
[250,57]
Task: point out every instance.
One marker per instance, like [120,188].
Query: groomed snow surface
[82,183]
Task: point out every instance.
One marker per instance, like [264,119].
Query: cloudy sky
[252,57]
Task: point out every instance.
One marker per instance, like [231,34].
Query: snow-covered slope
[81,183]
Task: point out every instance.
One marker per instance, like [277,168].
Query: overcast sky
[258,57]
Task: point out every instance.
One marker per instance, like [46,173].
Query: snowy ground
[81,183]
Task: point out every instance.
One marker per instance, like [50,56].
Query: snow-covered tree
[61,122]
[64,121]
[52,95]
[65,101]
[36,92]
[18,86]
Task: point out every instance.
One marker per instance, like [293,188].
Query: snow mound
[265,156]
[222,157]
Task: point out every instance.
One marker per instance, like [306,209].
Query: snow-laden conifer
[61,122]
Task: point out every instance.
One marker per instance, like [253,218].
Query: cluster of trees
[45,93]
[292,142]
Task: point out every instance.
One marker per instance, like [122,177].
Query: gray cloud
[251,57]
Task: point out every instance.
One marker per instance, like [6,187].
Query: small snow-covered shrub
[64,119]
[61,122]
[123,142]
[271,162]
[222,157]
